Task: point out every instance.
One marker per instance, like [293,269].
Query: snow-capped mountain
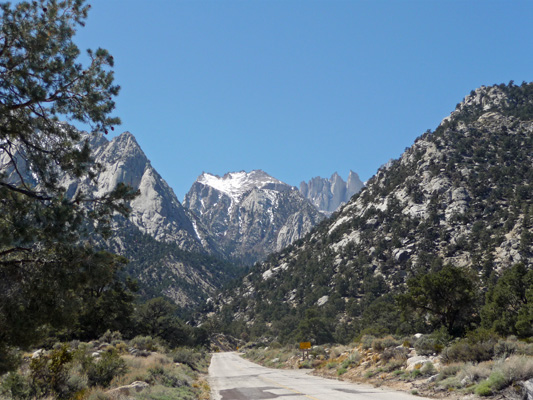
[250,214]
[236,184]
[329,194]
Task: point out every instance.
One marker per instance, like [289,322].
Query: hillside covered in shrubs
[434,365]
[439,239]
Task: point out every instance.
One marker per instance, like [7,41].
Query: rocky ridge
[329,194]
[156,211]
[170,252]
[460,195]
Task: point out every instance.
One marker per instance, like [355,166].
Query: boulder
[527,389]
[401,255]
[416,362]
[37,354]
[126,390]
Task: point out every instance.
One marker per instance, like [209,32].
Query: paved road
[233,378]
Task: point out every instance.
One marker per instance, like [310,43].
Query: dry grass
[516,368]
[204,391]
[471,373]
[138,368]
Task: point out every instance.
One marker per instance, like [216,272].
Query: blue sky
[299,88]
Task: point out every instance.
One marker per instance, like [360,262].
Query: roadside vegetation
[71,324]
[481,364]
[142,368]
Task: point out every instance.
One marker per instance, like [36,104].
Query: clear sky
[299,88]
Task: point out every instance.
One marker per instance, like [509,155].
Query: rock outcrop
[170,252]
[460,195]
[250,214]
[329,194]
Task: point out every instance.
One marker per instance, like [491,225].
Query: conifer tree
[446,298]
[44,88]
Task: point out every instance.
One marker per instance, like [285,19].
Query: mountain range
[187,251]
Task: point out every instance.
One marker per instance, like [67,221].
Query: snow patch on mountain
[251,214]
[235,184]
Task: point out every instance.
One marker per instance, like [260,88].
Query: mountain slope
[156,211]
[250,214]
[169,251]
[460,195]
[164,269]
[167,246]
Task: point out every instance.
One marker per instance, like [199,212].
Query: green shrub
[121,347]
[97,394]
[517,368]
[416,373]
[370,374]
[332,364]
[447,371]
[102,371]
[393,365]
[483,389]
[428,369]
[433,343]
[366,341]
[49,373]
[398,372]
[143,343]
[464,351]
[505,348]
[495,382]
[189,357]
[397,353]
[16,386]
[450,382]
[354,357]
[318,351]
[352,360]
[341,371]
[472,373]
[389,341]
[377,345]
[167,377]
[109,337]
[481,335]
[426,346]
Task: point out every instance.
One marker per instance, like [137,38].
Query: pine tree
[43,90]
[446,298]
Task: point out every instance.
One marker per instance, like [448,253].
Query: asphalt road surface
[233,378]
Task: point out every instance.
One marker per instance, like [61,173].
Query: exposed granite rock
[250,214]
[460,195]
[329,194]
[160,231]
